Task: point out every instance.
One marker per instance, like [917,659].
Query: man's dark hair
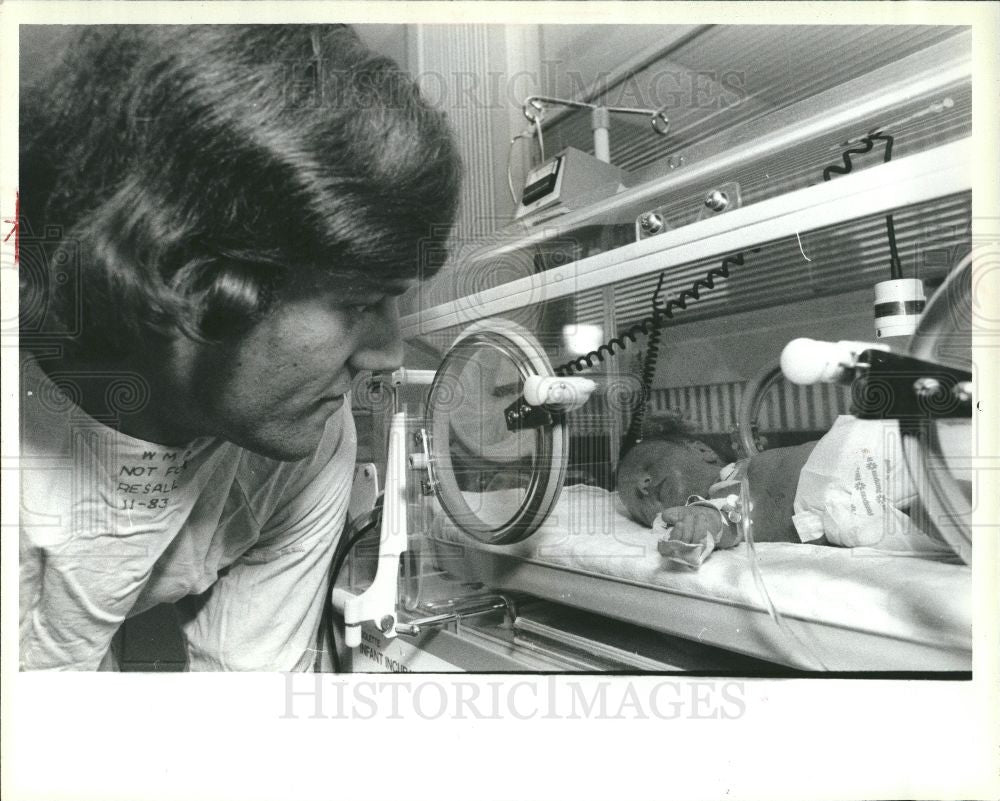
[192,170]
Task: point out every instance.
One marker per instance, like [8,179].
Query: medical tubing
[529,134]
[510,177]
[772,610]
[868,143]
[648,324]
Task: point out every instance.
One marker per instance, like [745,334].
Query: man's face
[273,390]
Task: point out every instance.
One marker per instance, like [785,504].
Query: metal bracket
[716,200]
[894,386]
[377,604]
[521,415]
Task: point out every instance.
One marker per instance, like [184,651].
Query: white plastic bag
[853,488]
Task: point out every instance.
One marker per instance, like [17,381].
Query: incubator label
[379,655]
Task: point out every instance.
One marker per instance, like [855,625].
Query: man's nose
[380,346]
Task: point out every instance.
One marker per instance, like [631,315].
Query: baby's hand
[692,523]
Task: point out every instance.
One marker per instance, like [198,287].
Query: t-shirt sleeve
[77,586]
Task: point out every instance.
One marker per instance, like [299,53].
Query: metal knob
[651,222]
[717,200]
[926,387]
[963,391]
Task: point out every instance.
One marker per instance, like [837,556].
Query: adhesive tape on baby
[898,306]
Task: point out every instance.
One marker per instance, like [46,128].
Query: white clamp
[809,361]
[558,393]
[377,604]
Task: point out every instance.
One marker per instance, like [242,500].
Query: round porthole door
[498,473]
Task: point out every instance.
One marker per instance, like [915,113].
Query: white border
[221,736]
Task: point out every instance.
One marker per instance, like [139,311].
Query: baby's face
[656,475]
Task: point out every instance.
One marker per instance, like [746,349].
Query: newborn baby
[849,489]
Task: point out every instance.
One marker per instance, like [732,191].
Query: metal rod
[600,122]
[675,37]
[414,628]
[534,100]
[590,647]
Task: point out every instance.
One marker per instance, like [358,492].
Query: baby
[849,489]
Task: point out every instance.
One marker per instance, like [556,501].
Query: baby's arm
[773,477]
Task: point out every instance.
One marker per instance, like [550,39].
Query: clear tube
[746,524]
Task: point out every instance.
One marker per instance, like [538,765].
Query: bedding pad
[905,598]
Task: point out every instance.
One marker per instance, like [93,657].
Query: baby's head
[657,474]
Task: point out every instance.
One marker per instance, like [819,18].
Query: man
[216,223]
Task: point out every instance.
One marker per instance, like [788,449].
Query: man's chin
[283,453]
[287,448]
[294,441]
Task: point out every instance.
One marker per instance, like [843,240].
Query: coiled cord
[836,169]
[651,327]
[634,434]
[867,144]
[648,324]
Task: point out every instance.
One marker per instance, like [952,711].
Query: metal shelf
[935,173]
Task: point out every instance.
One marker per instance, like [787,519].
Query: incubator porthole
[496,483]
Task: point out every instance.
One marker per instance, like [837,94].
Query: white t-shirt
[111,526]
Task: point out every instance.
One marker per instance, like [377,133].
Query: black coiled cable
[648,372]
[648,324]
[835,169]
[651,327]
[867,143]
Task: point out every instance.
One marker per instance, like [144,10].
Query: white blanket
[907,597]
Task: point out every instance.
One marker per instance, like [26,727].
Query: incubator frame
[935,173]
[928,175]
